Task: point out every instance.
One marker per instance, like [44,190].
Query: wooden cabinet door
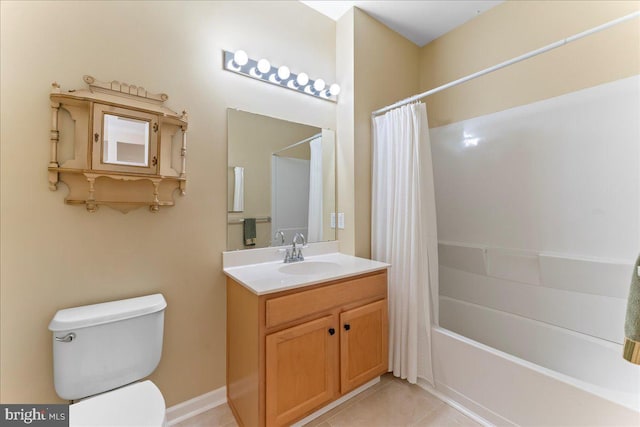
[301,370]
[363,344]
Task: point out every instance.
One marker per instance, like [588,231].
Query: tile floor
[390,403]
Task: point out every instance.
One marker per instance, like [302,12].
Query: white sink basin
[268,274]
[307,268]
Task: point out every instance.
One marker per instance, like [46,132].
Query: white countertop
[275,276]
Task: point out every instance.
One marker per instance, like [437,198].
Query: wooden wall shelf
[128,149]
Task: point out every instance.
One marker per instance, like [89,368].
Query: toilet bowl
[139,404]
[100,352]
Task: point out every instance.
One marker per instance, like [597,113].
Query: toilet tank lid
[96,314]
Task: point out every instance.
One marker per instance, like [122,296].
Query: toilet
[100,354]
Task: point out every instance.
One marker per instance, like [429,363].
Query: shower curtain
[315,191]
[238,189]
[404,234]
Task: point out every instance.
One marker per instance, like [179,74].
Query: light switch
[333,220]
[341,220]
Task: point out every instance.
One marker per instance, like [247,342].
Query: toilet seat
[139,404]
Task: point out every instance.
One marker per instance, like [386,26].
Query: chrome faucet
[304,242]
[280,234]
[295,254]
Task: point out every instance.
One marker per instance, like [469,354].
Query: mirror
[281,180]
[126,141]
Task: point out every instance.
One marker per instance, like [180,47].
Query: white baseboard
[195,406]
[425,385]
[335,403]
[199,404]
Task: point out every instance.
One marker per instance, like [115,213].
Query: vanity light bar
[239,62]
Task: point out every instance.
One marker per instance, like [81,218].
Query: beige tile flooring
[390,403]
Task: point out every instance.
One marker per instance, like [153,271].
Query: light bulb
[318,85]
[302,79]
[334,89]
[284,72]
[264,66]
[240,57]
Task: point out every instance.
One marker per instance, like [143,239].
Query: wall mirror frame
[281,180]
[128,142]
[117,145]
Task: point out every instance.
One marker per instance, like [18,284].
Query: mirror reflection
[237,181]
[281,181]
[126,141]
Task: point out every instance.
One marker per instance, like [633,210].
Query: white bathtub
[538,228]
[534,339]
[506,390]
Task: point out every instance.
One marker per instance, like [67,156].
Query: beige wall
[54,255]
[344,132]
[328,183]
[252,139]
[378,67]
[514,28]
[386,70]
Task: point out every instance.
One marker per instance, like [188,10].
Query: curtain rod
[297,143]
[509,62]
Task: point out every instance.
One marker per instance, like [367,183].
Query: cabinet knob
[347,326]
[332,331]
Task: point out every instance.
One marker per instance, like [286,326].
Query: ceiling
[418,21]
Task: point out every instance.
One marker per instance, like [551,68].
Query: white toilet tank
[100,347]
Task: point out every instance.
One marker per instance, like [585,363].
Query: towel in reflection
[249,231]
[631,350]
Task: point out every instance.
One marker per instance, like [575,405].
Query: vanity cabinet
[290,353]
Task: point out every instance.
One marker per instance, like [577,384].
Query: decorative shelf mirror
[117,145]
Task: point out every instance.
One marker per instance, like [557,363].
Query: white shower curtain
[238,189]
[403,233]
[315,191]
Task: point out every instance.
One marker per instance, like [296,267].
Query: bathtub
[530,338]
[503,389]
[538,230]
